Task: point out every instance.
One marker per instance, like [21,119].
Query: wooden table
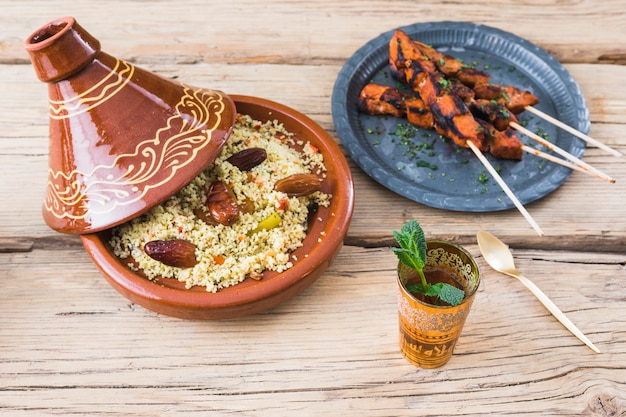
[71,345]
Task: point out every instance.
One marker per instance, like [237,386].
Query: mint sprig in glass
[412,253]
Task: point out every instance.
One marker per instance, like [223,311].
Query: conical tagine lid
[122,139]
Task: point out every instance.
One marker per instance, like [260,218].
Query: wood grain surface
[71,345]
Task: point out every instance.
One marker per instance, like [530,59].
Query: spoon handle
[556,312]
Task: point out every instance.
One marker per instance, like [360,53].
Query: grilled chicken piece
[464,92]
[415,72]
[432,86]
[506,145]
[452,67]
[382,99]
[418,114]
[495,113]
[503,144]
[404,55]
[447,64]
[454,121]
[513,98]
[436,84]
[472,76]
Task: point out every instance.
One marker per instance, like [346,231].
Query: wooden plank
[282,31]
[333,347]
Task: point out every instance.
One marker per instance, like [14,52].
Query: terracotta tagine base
[323,242]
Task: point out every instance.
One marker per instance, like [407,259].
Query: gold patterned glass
[428,333]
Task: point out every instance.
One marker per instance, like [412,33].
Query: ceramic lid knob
[122,139]
[61,48]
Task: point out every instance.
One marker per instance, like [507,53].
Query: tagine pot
[122,139]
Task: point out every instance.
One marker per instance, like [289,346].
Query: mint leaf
[412,245]
[406,257]
[451,294]
[433,290]
[414,288]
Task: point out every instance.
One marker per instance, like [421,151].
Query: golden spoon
[500,258]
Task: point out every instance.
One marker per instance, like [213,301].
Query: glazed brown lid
[122,139]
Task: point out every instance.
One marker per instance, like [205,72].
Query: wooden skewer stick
[504,187]
[559,161]
[571,130]
[561,152]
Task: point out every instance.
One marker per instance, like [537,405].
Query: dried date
[297,185]
[248,158]
[175,252]
[222,204]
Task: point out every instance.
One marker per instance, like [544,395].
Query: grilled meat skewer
[452,67]
[452,118]
[407,49]
[383,100]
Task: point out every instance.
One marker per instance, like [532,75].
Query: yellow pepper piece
[268,223]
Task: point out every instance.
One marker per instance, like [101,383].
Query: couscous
[269,225]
